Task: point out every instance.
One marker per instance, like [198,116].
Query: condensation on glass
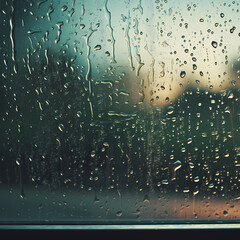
[119,110]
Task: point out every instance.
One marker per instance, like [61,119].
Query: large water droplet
[214,44]
[177,165]
[64,8]
[97,47]
[170,110]
[182,74]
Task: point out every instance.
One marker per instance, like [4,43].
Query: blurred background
[119,110]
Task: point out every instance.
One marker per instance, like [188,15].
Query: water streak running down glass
[119,111]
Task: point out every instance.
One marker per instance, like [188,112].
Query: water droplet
[183,149]
[232,30]
[18,161]
[82,26]
[119,214]
[222,15]
[79,114]
[196,190]
[61,127]
[93,153]
[211,185]
[165,182]
[97,47]
[214,44]
[197,81]
[146,199]
[66,85]
[204,134]
[107,53]
[177,165]
[226,154]
[186,190]
[170,110]
[189,140]
[233,82]
[227,110]
[196,179]
[182,74]
[64,8]
[230,95]
[225,213]
[106,144]
[191,165]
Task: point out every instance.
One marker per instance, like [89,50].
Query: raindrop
[107,53]
[183,149]
[225,213]
[222,15]
[214,44]
[227,110]
[146,199]
[165,182]
[82,26]
[97,47]
[18,161]
[197,81]
[177,165]
[204,134]
[211,185]
[232,29]
[79,114]
[189,140]
[196,179]
[61,127]
[196,190]
[64,8]
[93,153]
[119,214]
[191,165]
[182,74]
[230,95]
[106,144]
[170,110]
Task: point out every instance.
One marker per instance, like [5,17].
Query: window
[119,111]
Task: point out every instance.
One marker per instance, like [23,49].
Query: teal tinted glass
[119,111]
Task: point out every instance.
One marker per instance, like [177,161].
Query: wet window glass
[119,110]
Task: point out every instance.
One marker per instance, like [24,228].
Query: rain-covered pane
[118,110]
